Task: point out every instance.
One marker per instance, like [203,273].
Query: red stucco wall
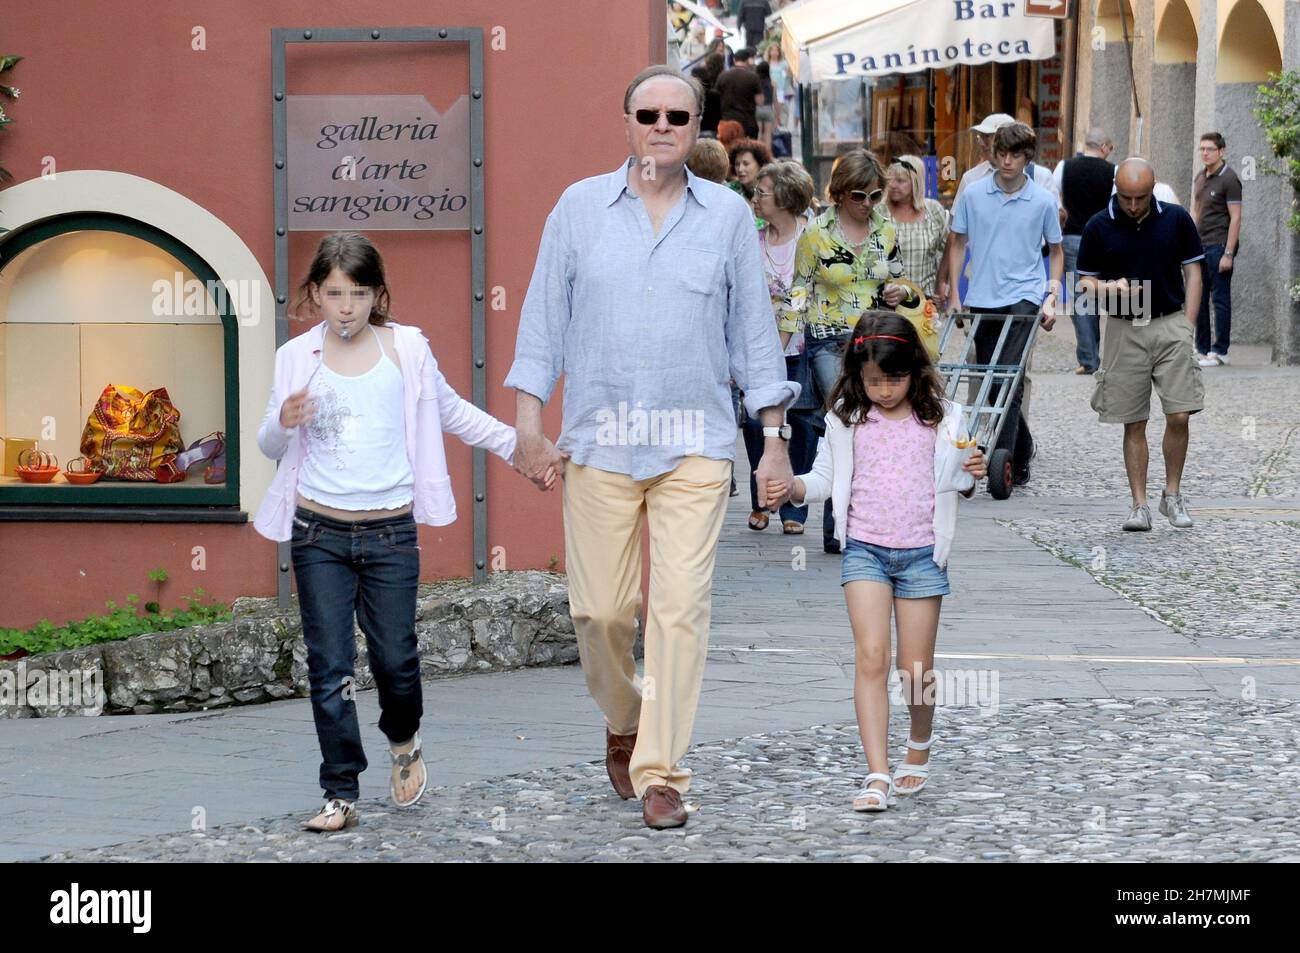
[118,87]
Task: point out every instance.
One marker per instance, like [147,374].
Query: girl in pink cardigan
[356,417]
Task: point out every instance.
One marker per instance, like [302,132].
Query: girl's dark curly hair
[888,340]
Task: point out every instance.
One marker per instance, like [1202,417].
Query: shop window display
[117,352]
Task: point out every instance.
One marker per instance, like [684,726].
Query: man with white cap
[984,133]
[1041,175]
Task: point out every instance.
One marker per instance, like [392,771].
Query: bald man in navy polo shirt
[1142,258]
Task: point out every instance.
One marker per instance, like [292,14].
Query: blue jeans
[802,449]
[1217,285]
[370,568]
[1087,323]
[827,357]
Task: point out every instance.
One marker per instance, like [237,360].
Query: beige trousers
[603,512]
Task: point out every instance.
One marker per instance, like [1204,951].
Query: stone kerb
[516,619]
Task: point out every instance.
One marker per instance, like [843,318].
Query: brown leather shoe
[662,807]
[618,757]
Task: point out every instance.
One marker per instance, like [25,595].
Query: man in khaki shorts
[1142,260]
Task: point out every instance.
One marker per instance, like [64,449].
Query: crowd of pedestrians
[811,322]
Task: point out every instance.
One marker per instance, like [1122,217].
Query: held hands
[976,465]
[773,468]
[781,490]
[298,408]
[538,459]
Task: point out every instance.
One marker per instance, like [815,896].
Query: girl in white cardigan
[893,460]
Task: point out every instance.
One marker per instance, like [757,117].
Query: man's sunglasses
[676,117]
[860,196]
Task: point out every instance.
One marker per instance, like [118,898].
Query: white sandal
[874,799]
[404,761]
[336,815]
[906,770]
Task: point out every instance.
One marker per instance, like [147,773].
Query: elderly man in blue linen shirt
[648,296]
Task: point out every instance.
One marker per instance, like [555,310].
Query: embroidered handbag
[132,435]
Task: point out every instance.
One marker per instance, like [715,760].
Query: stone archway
[1112,92]
[1173,85]
[1247,51]
[1248,43]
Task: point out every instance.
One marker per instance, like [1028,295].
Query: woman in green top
[846,263]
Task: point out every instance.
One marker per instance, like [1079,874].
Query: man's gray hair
[653,71]
[1096,138]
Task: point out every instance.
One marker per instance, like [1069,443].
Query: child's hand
[976,465]
[780,490]
[554,470]
[298,408]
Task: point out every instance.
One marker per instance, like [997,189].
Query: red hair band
[879,337]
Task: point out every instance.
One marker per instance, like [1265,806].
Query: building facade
[142,148]
[1156,75]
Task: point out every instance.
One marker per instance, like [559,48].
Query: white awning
[849,39]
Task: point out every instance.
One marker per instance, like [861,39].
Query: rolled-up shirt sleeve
[545,316]
[752,341]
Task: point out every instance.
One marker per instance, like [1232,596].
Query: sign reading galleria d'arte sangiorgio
[377,163]
[934,34]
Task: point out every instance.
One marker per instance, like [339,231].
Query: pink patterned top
[892,498]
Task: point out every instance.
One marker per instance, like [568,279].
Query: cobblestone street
[1137,697]
[1092,780]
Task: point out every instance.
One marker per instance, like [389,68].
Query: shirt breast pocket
[700,273]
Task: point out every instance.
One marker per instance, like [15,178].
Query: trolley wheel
[1000,474]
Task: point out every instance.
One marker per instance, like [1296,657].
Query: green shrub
[117,623]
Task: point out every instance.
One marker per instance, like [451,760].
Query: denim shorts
[911,573]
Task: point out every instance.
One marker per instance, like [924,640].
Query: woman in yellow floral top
[845,264]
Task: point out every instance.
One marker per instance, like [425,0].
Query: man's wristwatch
[782,431]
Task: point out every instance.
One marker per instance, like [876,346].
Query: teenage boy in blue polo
[1006,218]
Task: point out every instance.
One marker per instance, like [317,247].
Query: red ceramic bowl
[82,479]
[36,474]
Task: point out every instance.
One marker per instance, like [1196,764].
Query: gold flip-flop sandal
[405,761]
[336,815]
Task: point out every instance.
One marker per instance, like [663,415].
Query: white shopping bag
[954,478]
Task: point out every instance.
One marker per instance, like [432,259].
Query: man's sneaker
[1139,521]
[1213,359]
[1221,358]
[1172,506]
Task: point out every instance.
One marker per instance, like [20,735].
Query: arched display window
[93,300]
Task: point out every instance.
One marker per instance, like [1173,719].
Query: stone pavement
[1107,696]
